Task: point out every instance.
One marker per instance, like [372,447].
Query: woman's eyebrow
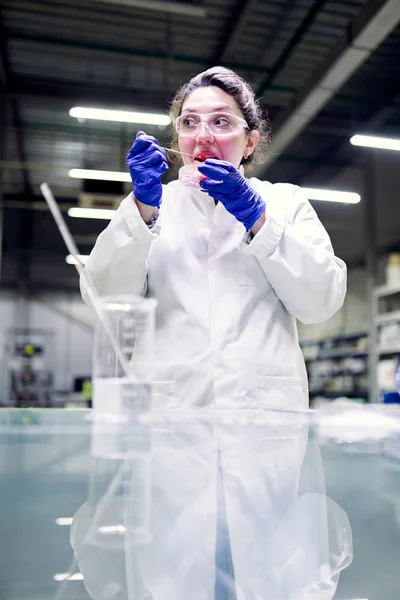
[214,110]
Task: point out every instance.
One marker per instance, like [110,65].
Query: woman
[232,265]
[231,277]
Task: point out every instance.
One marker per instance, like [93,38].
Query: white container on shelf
[389,335]
[386,374]
[393,269]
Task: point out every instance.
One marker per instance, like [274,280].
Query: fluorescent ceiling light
[371,141]
[332,196]
[102,175]
[177,7]
[71,260]
[67,576]
[64,521]
[80,212]
[312,193]
[121,116]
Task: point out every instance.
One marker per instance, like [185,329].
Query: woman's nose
[203,133]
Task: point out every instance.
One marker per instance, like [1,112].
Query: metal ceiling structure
[323,69]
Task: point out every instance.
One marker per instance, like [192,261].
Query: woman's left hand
[226,184]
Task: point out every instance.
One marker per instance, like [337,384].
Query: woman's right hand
[147,163]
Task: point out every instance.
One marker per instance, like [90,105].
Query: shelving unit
[385,337]
[337,366]
[351,365]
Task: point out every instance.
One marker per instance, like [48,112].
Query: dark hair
[231,83]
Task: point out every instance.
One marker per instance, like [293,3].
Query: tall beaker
[119,495]
[122,381]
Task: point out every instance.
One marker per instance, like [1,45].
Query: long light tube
[71,260]
[312,193]
[121,116]
[332,196]
[371,141]
[81,212]
[100,175]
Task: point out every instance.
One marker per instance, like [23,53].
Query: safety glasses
[217,123]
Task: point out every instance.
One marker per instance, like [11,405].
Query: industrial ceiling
[323,70]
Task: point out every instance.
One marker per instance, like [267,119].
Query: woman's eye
[189,123]
[222,122]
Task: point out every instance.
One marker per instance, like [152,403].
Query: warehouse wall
[67,325]
[352,318]
[71,323]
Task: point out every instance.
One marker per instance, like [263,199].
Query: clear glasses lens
[216,123]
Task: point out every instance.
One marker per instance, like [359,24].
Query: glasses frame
[240,123]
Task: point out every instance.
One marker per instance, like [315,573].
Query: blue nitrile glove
[226,184]
[147,163]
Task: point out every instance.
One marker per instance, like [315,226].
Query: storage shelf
[338,354]
[341,372]
[389,350]
[388,317]
[347,393]
[336,349]
[386,290]
[382,350]
[335,338]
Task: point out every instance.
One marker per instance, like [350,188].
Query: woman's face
[204,144]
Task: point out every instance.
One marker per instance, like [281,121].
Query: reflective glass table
[200,505]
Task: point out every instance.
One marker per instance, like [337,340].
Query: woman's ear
[251,143]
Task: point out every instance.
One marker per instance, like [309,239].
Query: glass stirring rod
[178,152]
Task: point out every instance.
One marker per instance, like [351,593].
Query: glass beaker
[190,176]
[122,381]
[121,428]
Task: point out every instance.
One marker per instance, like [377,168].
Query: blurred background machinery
[28,368]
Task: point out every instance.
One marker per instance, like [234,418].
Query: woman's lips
[202,156]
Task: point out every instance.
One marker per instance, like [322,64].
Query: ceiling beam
[6,82]
[3,63]
[98,95]
[121,53]
[375,22]
[3,107]
[235,28]
[30,87]
[288,50]
[45,167]
[19,135]
[189,9]
[72,91]
[337,147]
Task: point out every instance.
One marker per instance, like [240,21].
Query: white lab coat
[226,339]
[226,318]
